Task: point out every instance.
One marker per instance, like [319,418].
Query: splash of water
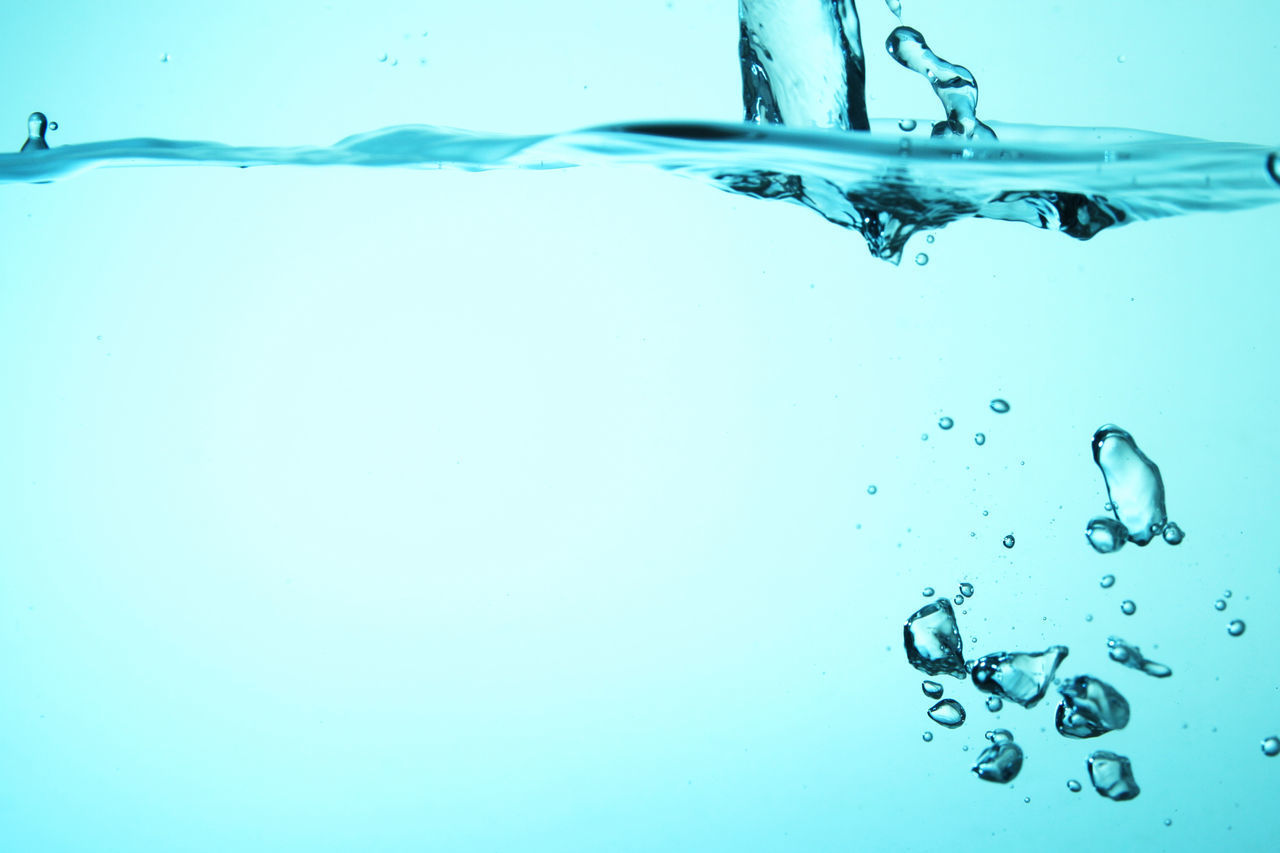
[954,85]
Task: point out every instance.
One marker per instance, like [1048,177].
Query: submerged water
[376,508]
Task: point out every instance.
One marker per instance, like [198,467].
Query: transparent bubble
[999,406]
[907,124]
[994,704]
[945,423]
[921,259]
[1173,534]
[932,689]
[1128,608]
[1122,59]
[1271,746]
[382,58]
[966,589]
[871,490]
[1073,786]
[53,125]
[1168,822]
[1008,541]
[924,436]
[979,439]
[948,713]
[1105,534]
[1107,581]
[1235,627]
[959,599]
[984,513]
[929,239]
[1219,605]
[1226,593]
[927,591]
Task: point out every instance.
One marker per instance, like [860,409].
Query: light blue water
[405,508]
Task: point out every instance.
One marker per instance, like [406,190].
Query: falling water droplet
[895,6]
[1271,746]
[1235,627]
[979,439]
[37,124]
[907,124]
[945,423]
[999,406]
[1107,581]
[1008,541]
[1128,608]
[921,259]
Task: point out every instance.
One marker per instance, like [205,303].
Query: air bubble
[1107,581]
[907,124]
[994,704]
[53,125]
[966,589]
[959,599]
[921,259]
[947,713]
[871,490]
[979,439]
[1235,627]
[927,592]
[1128,608]
[1226,593]
[1173,534]
[999,406]
[382,58]
[1106,535]
[926,737]
[930,238]
[932,689]
[1271,746]
[1008,541]
[1073,786]
[1219,605]
[945,423]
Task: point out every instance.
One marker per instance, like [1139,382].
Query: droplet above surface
[37,124]
[1112,776]
[1089,708]
[932,640]
[1021,677]
[947,712]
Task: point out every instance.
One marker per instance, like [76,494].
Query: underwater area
[425,429]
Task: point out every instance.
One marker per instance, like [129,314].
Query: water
[1090,707]
[1131,656]
[1112,776]
[932,640]
[457,506]
[947,712]
[1021,677]
[1000,762]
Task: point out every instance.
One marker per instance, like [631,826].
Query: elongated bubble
[1021,677]
[953,84]
[1133,483]
[1131,656]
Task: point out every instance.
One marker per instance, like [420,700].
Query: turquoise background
[403,510]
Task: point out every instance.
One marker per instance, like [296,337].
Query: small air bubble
[907,124]
[164,57]
[1168,822]
[1128,608]
[1107,581]
[966,589]
[926,737]
[979,439]
[1219,605]
[1122,59]
[1008,541]
[1073,786]
[53,125]
[1173,534]
[994,704]
[871,490]
[927,592]
[959,599]
[382,58]
[929,239]
[999,406]
[1271,746]
[921,259]
[945,423]
[924,436]
[1235,627]
[1226,593]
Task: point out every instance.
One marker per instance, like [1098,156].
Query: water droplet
[1105,534]
[53,125]
[1073,786]
[871,490]
[1128,608]
[37,124]
[907,124]
[994,704]
[1173,534]
[1219,605]
[979,439]
[921,259]
[1133,482]
[1008,541]
[932,689]
[1089,708]
[966,589]
[1235,627]
[1021,677]
[947,713]
[1112,775]
[955,87]
[933,641]
[999,406]
[926,737]
[1107,581]
[1271,746]
[945,423]
[927,592]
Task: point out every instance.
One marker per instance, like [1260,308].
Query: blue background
[402,510]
